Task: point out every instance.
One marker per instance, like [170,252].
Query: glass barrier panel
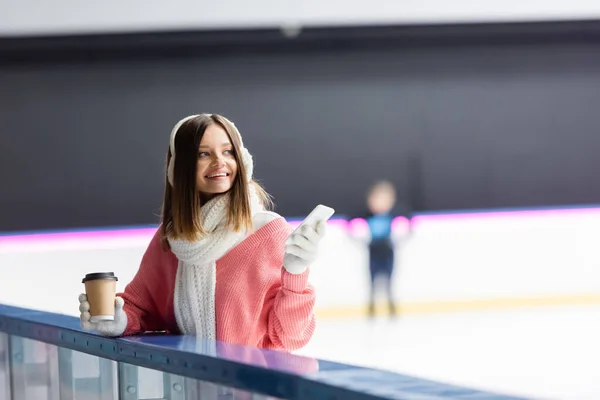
[138,383]
[33,367]
[43,371]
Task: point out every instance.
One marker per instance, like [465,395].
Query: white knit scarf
[194,298]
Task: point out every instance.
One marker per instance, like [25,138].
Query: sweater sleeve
[291,321]
[145,296]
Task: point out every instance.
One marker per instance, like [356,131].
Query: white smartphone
[319,213]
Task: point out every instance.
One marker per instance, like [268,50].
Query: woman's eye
[202,154]
[228,152]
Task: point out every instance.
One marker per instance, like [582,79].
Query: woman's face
[217,167]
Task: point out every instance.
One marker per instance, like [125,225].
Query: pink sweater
[257,302]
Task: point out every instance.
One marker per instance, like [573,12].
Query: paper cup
[100,288]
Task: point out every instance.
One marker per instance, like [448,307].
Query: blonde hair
[182,203]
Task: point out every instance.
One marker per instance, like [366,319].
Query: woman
[220,265]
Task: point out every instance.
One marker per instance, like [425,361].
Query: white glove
[105,328]
[301,248]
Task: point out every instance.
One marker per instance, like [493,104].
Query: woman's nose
[218,161]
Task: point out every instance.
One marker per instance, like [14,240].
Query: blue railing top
[256,370]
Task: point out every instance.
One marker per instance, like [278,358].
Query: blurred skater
[381,199]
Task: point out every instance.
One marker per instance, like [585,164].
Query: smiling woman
[202,148]
[220,265]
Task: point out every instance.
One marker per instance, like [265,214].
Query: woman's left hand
[301,248]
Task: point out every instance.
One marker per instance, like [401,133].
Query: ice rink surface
[538,352]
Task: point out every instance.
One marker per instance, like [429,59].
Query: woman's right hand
[105,328]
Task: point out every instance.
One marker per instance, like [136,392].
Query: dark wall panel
[83,140]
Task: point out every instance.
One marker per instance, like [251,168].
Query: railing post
[128,382]
[18,382]
[53,373]
[174,387]
[66,381]
[4,367]
[106,380]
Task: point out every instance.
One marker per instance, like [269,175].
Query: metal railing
[46,356]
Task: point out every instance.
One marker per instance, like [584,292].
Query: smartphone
[319,213]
